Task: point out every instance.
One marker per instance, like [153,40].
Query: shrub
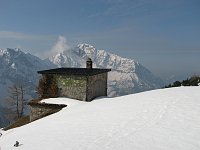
[47,87]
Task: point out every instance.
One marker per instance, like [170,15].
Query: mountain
[165,119]
[4,120]
[127,75]
[19,68]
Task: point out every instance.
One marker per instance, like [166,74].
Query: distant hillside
[19,67]
[192,81]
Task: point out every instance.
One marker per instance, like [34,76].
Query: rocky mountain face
[127,75]
[17,67]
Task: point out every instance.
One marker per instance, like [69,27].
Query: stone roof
[75,71]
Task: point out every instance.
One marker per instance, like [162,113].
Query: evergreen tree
[176,84]
[185,82]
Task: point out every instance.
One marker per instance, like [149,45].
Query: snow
[67,101]
[165,119]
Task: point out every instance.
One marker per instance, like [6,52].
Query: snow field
[166,119]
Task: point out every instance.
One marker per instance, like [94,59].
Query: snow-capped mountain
[127,75]
[19,68]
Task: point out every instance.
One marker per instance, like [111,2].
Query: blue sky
[163,35]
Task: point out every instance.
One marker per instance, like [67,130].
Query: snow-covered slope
[166,119]
[127,75]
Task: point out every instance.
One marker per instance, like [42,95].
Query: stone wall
[97,86]
[72,86]
[84,88]
[40,110]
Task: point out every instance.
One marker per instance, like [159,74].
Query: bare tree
[16,101]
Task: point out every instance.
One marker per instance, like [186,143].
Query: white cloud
[13,35]
[22,36]
[60,46]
